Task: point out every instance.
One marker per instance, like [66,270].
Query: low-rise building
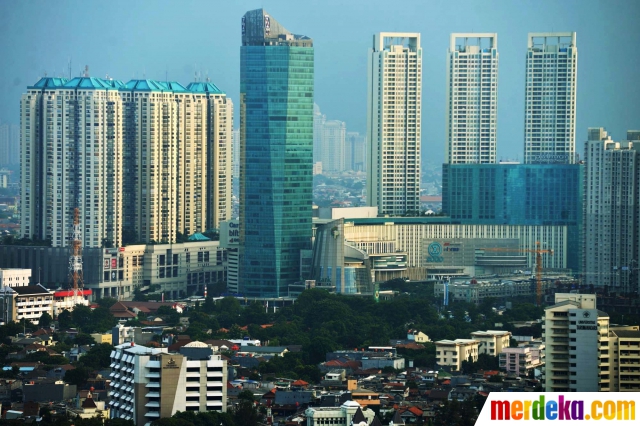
[68,299]
[492,342]
[452,352]
[151,383]
[521,360]
[14,277]
[417,336]
[349,413]
[28,302]
[102,338]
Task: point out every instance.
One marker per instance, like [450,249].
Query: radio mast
[75,259]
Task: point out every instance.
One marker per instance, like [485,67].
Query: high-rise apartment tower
[611,224]
[394,123]
[550,98]
[143,161]
[276,154]
[472,104]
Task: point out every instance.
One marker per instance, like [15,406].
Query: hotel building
[151,383]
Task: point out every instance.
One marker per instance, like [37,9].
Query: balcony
[154,414]
[152,404]
[152,394]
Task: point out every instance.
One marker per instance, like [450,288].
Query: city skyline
[606,55]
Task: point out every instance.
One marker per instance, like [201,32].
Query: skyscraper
[9,144]
[472,104]
[550,98]
[611,225]
[142,161]
[333,144]
[356,148]
[393,123]
[72,158]
[276,155]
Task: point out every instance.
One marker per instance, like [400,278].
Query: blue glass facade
[276,133]
[516,194]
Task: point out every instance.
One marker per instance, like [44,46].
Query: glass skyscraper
[276,154]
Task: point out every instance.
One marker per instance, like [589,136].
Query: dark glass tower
[276,154]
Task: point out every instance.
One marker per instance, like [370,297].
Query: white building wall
[472,103]
[394,123]
[550,98]
[409,238]
[15,277]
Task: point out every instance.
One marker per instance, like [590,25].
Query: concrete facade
[394,117]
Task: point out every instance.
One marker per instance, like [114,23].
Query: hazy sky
[134,38]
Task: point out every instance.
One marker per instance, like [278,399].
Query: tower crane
[538,252]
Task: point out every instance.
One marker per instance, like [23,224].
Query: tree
[107,302]
[64,320]
[77,376]
[45,320]
[245,414]
[81,317]
[246,395]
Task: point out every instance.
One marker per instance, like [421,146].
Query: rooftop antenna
[86,71]
[69,67]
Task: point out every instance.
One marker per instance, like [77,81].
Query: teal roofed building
[199,236]
[48,83]
[204,87]
[92,83]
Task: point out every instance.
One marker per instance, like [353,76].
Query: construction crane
[538,252]
[75,259]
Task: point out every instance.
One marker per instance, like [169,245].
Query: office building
[550,98]
[355,152]
[9,144]
[333,146]
[517,194]
[451,353]
[611,223]
[394,123]
[71,157]
[276,134]
[472,101]
[151,383]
